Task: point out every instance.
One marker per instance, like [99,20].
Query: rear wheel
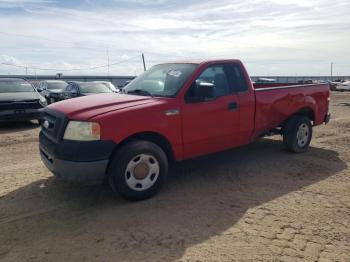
[297,134]
[138,170]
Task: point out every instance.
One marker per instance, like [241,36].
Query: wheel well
[155,138]
[308,112]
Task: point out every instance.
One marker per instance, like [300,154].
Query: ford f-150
[173,111]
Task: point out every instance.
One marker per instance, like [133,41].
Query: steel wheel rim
[303,135]
[142,172]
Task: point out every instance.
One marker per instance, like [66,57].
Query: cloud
[279,37]
[21,3]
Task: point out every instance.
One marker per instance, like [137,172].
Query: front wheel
[297,134]
[138,170]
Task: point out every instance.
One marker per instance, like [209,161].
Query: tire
[297,134]
[138,170]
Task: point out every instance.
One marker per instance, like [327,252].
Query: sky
[272,37]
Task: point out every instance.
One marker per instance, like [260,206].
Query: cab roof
[202,61]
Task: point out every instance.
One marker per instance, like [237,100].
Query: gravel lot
[257,203]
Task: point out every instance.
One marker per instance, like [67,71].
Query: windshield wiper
[139,92]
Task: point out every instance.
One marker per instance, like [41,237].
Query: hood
[19,96]
[86,107]
[54,90]
[88,94]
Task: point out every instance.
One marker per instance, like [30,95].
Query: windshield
[161,80]
[56,85]
[94,88]
[110,85]
[15,85]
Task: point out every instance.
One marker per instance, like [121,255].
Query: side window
[236,78]
[214,75]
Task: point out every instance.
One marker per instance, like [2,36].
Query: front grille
[55,125]
[13,105]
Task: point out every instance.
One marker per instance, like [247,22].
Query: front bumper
[20,114]
[76,162]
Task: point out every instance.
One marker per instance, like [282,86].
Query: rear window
[15,85]
[237,78]
[56,85]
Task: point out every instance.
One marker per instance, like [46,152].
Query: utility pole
[26,70]
[331,71]
[108,60]
[144,63]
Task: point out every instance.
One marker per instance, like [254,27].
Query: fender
[174,152]
[311,103]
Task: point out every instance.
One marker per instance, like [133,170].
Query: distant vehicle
[307,81]
[126,83]
[332,85]
[108,84]
[344,86]
[265,80]
[19,100]
[34,83]
[76,89]
[52,89]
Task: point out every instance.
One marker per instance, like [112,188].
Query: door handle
[232,106]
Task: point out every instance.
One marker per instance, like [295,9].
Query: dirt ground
[255,203]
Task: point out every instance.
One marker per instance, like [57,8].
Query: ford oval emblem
[46,124]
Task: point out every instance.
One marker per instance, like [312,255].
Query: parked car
[76,89]
[109,85]
[344,86]
[34,83]
[52,89]
[173,111]
[265,80]
[19,100]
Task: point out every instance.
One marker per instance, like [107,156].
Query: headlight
[42,101]
[82,131]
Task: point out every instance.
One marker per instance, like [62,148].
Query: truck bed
[275,104]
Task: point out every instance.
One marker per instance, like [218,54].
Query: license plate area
[19,111]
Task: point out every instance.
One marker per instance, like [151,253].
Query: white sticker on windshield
[174,73]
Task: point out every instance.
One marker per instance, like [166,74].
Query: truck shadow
[203,198]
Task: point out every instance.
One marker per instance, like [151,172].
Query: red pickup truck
[173,111]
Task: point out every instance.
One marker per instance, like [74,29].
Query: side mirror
[204,91]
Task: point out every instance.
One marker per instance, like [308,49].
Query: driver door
[210,126]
